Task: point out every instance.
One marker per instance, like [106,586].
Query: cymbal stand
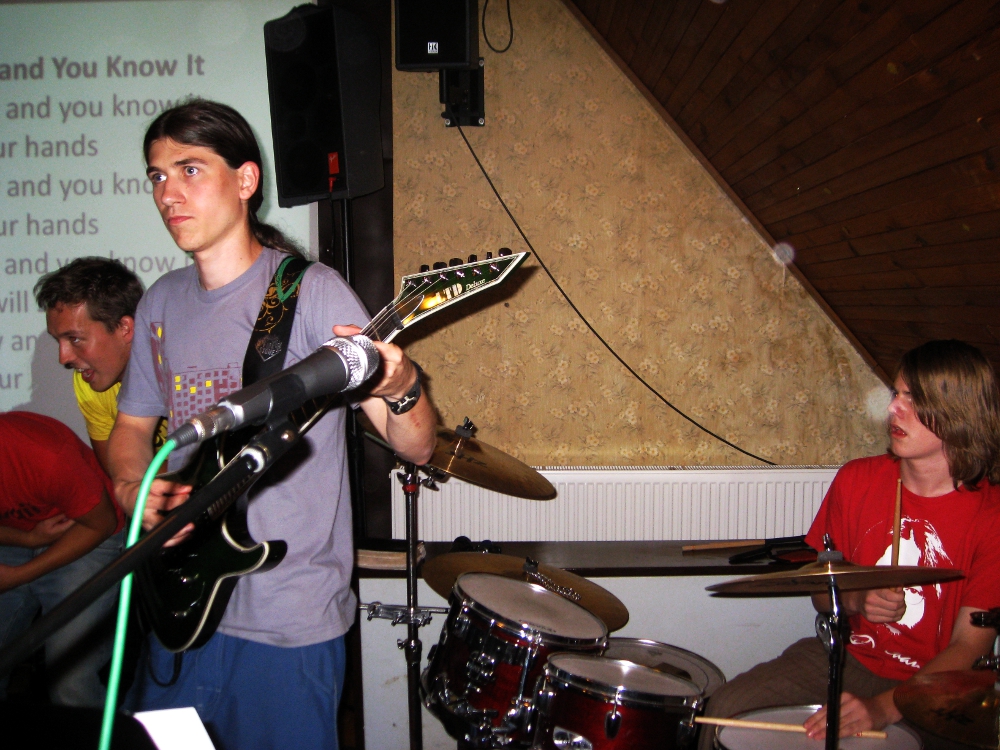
[413,616]
[832,629]
[412,646]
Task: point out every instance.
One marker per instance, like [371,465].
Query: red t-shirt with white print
[957,530]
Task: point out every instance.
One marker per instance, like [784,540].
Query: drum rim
[523,629]
[814,707]
[626,696]
[701,660]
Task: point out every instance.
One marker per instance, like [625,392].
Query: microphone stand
[252,461]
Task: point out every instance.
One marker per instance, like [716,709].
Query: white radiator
[597,504]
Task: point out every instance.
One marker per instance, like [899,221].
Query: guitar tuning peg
[473,258]
[424,268]
[505,251]
[455,262]
[439,265]
[489,256]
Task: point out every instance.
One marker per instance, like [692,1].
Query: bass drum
[741,738]
[670,660]
[595,703]
[482,673]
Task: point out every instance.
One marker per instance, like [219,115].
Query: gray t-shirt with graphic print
[187,355]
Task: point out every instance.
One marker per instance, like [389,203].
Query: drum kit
[524,659]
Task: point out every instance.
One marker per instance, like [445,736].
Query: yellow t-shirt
[99,409]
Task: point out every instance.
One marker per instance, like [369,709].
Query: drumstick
[896,522]
[723,545]
[747,724]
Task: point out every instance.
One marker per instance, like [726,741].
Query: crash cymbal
[441,573]
[476,462]
[960,706]
[815,577]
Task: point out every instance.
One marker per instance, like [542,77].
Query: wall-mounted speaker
[437,34]
[324,86]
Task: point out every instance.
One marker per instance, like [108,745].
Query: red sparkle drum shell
[580,696]
[493,648]
[742,738]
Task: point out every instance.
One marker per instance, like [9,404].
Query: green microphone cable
[125,595]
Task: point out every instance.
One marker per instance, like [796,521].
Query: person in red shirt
[58,526]
[944,446]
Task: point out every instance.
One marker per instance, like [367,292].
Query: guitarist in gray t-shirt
[272,674]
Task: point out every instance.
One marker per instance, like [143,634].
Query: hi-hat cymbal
[476,462]
[960,706]
[441,573]
[815,577]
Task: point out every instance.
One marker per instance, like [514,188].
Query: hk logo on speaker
[432,48]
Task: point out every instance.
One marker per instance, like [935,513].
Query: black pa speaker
[324,82]
[437,34]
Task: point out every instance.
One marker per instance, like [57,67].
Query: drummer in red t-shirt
[944,431]
[56,525]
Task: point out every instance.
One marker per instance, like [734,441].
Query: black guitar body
[182,593]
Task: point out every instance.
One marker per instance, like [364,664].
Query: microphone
[341,364]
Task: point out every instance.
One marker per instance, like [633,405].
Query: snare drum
[483,672]
[740,738]
[668,659]
[596,703]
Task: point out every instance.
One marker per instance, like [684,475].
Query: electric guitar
[183,592]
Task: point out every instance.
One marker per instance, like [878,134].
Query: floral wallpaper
[648,248]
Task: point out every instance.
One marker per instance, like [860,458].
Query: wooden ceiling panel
[863,132]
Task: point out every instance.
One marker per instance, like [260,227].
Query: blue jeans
[75,653]
[250,696]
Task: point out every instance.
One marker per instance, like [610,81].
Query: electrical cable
[510,22]
[586,322]
[125,596]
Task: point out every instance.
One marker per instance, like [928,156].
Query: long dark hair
[219,127]
[955,395]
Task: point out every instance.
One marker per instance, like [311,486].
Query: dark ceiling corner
[863,134]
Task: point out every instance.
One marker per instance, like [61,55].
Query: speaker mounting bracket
[462,96]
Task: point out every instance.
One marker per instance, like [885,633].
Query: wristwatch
[410,398]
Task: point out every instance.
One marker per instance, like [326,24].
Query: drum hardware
[442,571]
[482,684]
[959,705]
[563,738]
[613,719]
[670,660]
[832,574]
[587,701]
[457,453]
[400,614]
[531,568]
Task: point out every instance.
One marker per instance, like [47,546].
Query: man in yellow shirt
[90,310]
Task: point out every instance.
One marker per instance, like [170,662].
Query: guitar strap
[265,354]
[269,341]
